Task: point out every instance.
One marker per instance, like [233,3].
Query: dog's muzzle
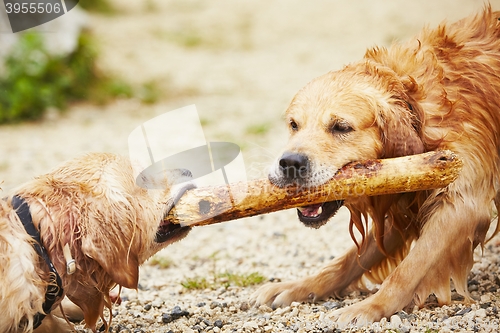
[295,169]
[168,231]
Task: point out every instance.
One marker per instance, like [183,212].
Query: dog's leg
[436,256]
[70,309]
[334,278]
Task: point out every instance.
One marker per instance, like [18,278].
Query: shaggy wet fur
[93,204]
[440,90]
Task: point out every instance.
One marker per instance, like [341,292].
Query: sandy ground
[240,62]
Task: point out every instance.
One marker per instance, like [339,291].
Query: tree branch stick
[209,205]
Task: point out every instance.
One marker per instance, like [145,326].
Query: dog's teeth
[311,211]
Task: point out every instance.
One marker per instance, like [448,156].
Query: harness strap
[54,289]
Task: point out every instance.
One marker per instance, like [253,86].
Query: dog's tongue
[311,210]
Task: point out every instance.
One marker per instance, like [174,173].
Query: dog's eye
[293,125]
[341,127]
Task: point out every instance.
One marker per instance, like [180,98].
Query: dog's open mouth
[170,231]
[317,215]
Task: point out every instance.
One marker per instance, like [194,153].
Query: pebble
[218,323]
[268,328]
[215,304]
[265,308]
[481,313]
[177,312]
[244,306]
[174,314]
[157,303]
[281,311]
[463,311]
[396,321]
[332,305]
[250,324]
[485,298]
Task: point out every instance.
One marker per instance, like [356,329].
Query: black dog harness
[54,289]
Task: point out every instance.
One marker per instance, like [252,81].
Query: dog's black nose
[294,166]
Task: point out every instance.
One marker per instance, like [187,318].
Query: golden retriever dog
[440,90]
[87,228]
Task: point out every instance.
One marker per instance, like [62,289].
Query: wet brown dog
[110,226]
[440,90]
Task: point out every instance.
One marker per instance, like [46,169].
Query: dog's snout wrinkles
[294,166]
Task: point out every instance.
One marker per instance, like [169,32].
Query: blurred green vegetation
[161,261]
[225,280]
[215,279]
[34,80]
[97,6]
[258,129]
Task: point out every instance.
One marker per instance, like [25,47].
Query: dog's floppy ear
[397,117]
[113,256]
[400,131]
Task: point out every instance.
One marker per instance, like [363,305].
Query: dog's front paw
[358,315]
[282,294]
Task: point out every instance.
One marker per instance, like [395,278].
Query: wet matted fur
[440,90]
[111,225]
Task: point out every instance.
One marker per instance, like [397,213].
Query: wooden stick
[209,205]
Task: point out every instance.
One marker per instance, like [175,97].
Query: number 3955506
[32,7]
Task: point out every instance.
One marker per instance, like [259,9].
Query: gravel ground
[280,250]
[240,63]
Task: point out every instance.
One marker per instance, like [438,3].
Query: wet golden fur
[93,204]
[440,90]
